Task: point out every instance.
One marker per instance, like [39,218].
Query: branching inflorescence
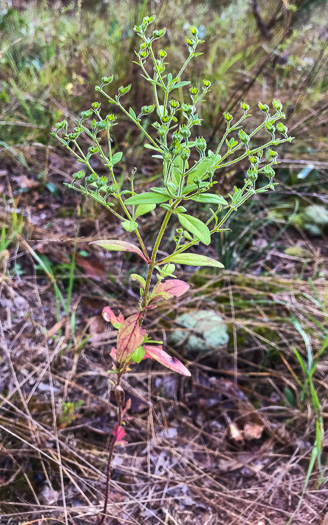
[184,182]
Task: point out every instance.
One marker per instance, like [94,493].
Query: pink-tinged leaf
[156,352]
[113,353]
[119,434]
[110,317]
[119,246]
[129,337]
[127,407]
[172,287]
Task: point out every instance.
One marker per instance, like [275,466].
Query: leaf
[199,169]
[130,226]
[139,279]
[117,157]
[110,317]
[92,267]
[156,352]
[150,146]
[180,84]
[119,246]
[172,287]
[129,337]
[192,259]
[138,354]
[119,434]
[212,198]
[142,209]
[147,198]
[195,226]
[132,113]
[177,170]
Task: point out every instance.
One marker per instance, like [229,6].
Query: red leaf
[156,352]
[92,267]
[172,287]
[120,246]
[129,337]
[110,317]
[113,353]
[119,434]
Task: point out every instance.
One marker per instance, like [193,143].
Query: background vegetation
[246,439]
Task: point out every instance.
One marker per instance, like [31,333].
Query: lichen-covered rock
[206,330]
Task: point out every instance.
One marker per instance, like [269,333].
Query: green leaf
[199,169]
[132,113]
[196,227]
[138,354]
[177,170]
[180,84]
[130,226]
[147,198]
[117,157]
[142,209]
[212,198]
[192,259]
[150,146]
[161,191]
[139,279]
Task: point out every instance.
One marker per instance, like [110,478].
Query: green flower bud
[244,106]
[162,130]
[72,136]
[253,159]
[272,153]
[252,174]
[185,154]
[91,178]
[193,30]
[270,127]
[174,104]
[189,42]
[187,109]
[101,182]
[102,124]
[282,128]
[159,33]
[263,107]
[277,105]
[206,83]
[193,90]
[136,29]
[143,46]
[200,144]
[107,80]
[144,54]
[62,125]
[78,129]
[79,175]
[123,90]
[95,105]
[86,114]
[165,119]
[176,136]
[185,132]
[269,172]
[227,116]
[147,109]
[93,150]
[111,118]
[243,137]
[162,53]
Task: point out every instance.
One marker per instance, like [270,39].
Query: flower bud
[252,174]
[187,109]
[270,127]
[272,153]
[86,114]
[107,80]
[72,136]
[174,104]
[165,119]
[185,154]
[143,46]
[189,42]
[95,105]
[147,109]
[193,30]
[102,124]
[144,54]
[101,182]
[193,90]
[282,128]
[243,137]
[93,150]
[79,175]
[200,144]
[277,105]
[111,118]
[62,125]
[162,53]
[253,159]
[206,83]
[176,136]
[269,172]
[185,132]
[162,130]
[227,116]
[123,90]
[159,33]
[244,106]
[263,107]
[91,178]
